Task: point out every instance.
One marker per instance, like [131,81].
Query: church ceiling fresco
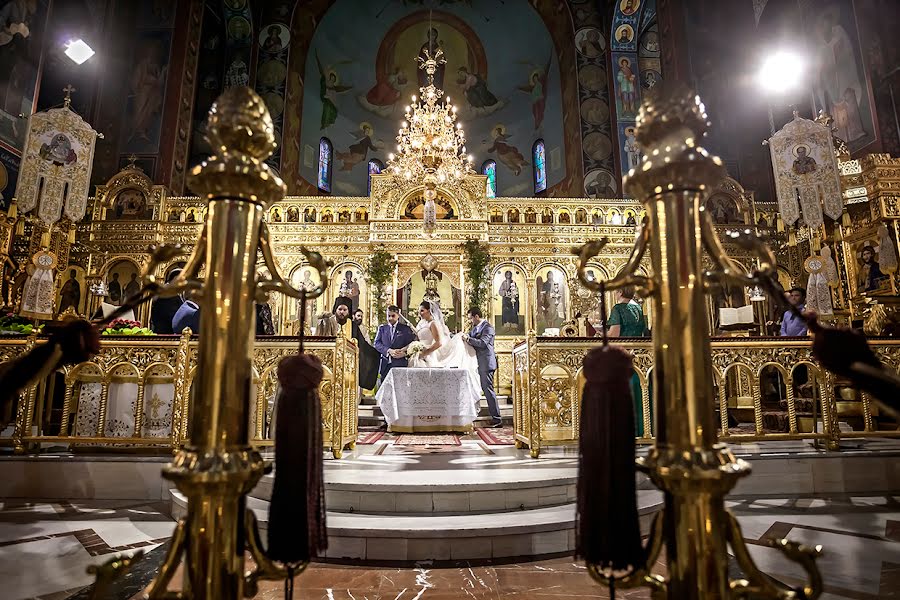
[502,72]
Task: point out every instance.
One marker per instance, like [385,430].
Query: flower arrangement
[125,327]
[13,324]
[414,348]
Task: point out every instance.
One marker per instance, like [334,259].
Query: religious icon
[632,151]
[276,39]
[308,281]
[132,288]
[509,317]
[349,288]
[589,42]
[869,276]
[70,294]
[599,183]
[358,151]
[476,92]
[429,48]
[629,7]
[293,214]
[803,163]
[552,296]
[546,216]
[624,34]
[59,151]
[131,204]
[626,90]
[276,214]
[723,210]
[383,97]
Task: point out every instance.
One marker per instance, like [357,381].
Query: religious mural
[73,291]
[121,282]
[22,26]
[149,72]
[507,87]
[838,76]
[636,67]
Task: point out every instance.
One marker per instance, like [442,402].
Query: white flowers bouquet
[414,348]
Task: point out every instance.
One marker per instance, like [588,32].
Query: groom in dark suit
[481,337]
[391,341]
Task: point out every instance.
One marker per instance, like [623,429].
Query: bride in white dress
[441,349]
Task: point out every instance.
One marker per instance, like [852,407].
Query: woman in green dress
[627,320]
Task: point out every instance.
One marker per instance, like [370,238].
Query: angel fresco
[477,94]
[329,88]
[537,88]
[383,97]
[358,151]
[508,154]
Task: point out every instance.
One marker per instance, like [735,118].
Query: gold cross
[68,90]
[154,405]
[132,159]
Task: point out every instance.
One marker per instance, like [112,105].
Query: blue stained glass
[539,160]
[489,168]
[375,167]
[326,153]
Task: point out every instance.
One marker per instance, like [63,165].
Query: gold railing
[774,386]
[136,393]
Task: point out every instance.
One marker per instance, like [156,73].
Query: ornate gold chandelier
[430,144]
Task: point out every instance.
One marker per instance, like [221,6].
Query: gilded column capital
[670,126]
[241,132]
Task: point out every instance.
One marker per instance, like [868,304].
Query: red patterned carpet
[366,438]
[502,436]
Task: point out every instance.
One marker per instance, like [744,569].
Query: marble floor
[46,547]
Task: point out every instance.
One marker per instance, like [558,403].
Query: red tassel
[297,531]
[608,531]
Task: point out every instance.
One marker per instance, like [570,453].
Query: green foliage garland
[477,260]
[379,272]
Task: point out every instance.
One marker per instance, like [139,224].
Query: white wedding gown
[454,353]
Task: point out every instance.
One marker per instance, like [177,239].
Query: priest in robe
[369,357]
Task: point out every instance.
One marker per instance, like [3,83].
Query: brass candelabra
[686,462]
[217,467]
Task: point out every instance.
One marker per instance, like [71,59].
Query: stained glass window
[489,168]
[326,154]
[539,162]
[375,167]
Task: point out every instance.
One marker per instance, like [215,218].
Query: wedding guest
[791,325]
[163,310]
[481,337]
[626,319]
[391,341]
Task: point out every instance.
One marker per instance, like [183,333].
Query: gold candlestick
[686,462]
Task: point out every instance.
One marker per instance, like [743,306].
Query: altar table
[415,400]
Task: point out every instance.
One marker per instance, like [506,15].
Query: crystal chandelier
[430,144]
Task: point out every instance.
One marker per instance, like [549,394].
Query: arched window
[539,166]
[326,156]
[489,168]
[375,167]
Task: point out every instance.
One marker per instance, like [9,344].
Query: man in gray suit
[481,337]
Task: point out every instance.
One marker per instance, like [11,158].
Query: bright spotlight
[78,51]
[781,72]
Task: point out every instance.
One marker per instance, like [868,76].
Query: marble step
[433,493]
[530,532]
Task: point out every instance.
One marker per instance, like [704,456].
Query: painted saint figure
[477,93]
[70,294]
[804,164]
[627,89]
[350,289]
[870,275]
[509,299]
[430,46]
